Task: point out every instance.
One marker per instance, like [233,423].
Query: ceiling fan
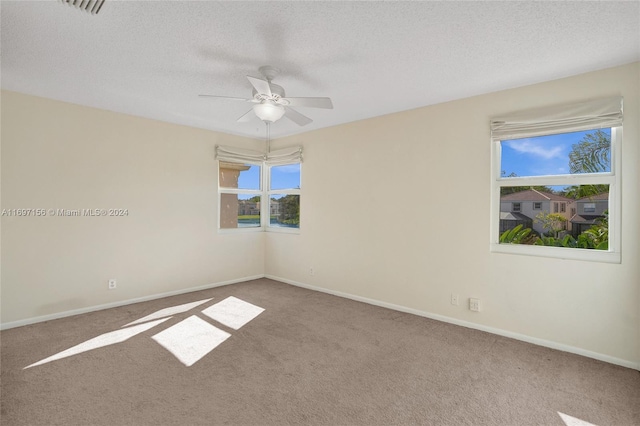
[270,101]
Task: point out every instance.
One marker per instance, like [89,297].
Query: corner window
[259,191]
[566,170]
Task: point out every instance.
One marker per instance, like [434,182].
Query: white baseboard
[498,331]
[19,323]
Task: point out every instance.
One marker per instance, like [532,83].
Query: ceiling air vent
[91,6]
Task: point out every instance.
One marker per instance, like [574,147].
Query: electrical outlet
[454,299]
[311,271]
[474,305]
[112,284]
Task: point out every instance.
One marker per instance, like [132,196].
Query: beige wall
[437,159]
[58,155]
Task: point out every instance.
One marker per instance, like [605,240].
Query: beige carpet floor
[308,359]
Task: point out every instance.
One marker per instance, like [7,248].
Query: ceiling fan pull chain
[268,137]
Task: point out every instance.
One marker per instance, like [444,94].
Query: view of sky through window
[282,177]
[543,155]
[249,179]
[285,177]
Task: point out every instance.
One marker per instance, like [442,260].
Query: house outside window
[533,203]
[590,211]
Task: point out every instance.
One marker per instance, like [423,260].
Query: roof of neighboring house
[589,219]
[514,216]
[597,197]
[533,195]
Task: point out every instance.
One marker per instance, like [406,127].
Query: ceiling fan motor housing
[269,72]
[277,93]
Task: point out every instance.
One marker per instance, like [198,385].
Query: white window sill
[564,253]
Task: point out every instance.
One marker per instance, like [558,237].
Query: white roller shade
[240,155]
[596,114]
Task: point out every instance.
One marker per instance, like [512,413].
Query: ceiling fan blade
[296,117]
[246,116]
[261,86]
[310,102]
[226,97]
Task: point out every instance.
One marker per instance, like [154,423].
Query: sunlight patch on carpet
[572,421]
[233,312]
[191,339]
[103,340]
[173,310]
[188,340]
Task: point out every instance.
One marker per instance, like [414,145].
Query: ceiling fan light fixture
[268,111]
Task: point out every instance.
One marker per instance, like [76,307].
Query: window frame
[239,191]
[265,197]
[612,178]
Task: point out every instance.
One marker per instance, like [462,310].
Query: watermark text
[57,212]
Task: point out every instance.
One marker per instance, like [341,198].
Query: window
[554,158]
[240,191]
[516,207]
[259,191]
[284,196]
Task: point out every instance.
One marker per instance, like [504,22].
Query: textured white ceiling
[152,58]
